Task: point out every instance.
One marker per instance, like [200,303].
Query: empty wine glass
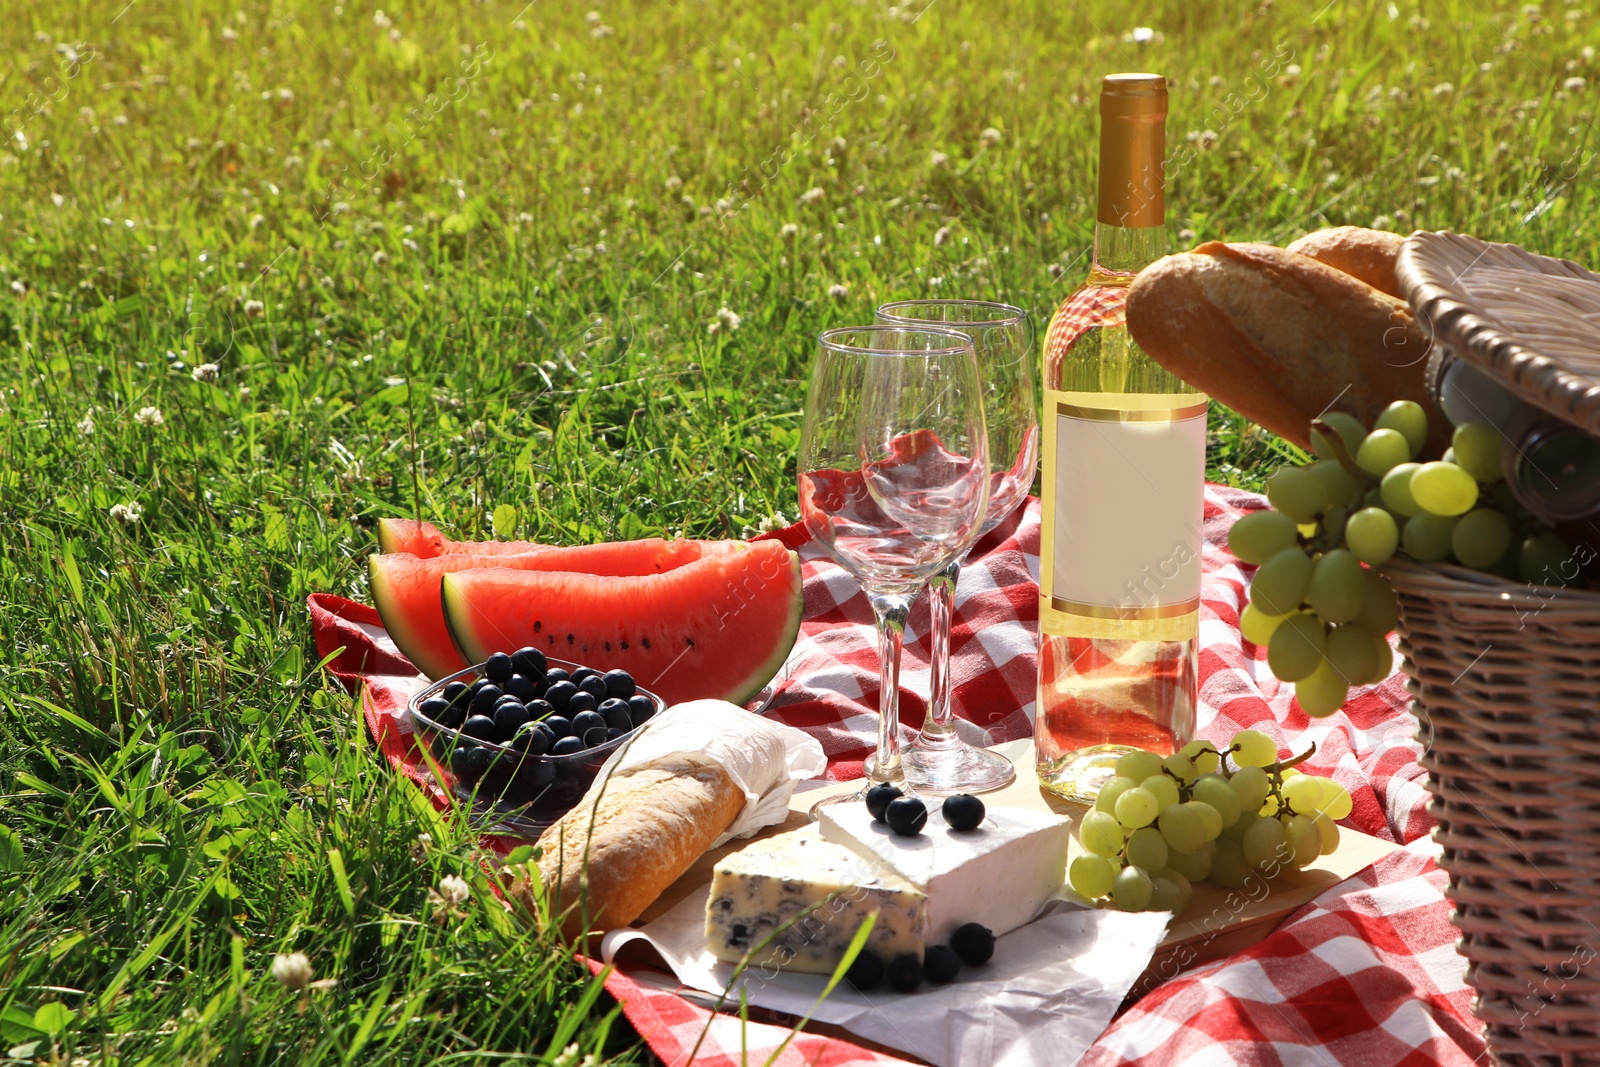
[893,473]
[937,761]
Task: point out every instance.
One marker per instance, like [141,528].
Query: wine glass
[893,474]
[938,761]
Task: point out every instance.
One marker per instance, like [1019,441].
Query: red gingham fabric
[1366,974]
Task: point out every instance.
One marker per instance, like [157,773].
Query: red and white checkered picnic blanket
[1366,974]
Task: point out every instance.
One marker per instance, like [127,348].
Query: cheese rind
[999,874]
[772,881]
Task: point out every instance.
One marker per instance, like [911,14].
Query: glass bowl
[516,791]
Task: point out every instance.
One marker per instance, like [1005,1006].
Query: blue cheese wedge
[999,874]
[770,882]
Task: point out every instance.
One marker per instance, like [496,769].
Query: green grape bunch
[1203,814]
[1317,602]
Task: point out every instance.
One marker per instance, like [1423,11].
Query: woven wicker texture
[1531,320]
[1506,676]
[1507,686]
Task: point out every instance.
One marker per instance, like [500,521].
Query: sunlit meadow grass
[453,256]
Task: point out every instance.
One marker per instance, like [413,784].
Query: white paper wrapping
[764,758]
[1048,993]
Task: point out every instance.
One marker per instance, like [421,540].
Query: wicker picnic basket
[1506,677]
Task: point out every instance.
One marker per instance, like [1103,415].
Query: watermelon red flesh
[405,589]
[427,541]
[718,627]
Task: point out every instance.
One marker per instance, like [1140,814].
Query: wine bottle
[1123,487]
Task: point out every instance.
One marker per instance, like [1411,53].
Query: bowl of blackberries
[523,735]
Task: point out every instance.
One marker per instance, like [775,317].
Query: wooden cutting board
[1217,923]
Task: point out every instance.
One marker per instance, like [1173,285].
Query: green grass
[506,302]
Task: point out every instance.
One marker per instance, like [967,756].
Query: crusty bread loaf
[608,858]
[1361,253]
[1279,337]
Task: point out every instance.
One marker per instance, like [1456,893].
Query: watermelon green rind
[721,626]
[427,541]
[406,588]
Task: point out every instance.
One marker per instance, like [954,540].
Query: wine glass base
[957,769]
[858,796]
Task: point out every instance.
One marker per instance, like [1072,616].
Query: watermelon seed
[624,646]
[645,641]
[537,625]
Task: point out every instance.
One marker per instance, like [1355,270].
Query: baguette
[608,859]
[1280,337]
[1370,255]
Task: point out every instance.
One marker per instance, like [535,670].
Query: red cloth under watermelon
[1366,974]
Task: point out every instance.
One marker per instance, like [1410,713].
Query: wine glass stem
[937,728]
[891,611]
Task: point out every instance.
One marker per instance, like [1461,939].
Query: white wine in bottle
[1123,487]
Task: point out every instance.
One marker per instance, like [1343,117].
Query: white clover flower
[1574,84]
[938,159]
[989,137]
[1141,35]
[812,195]
[257,219]
[206,372]
[674,183]
[838,291]
[453,890]
[229,34]
[1056,270]
[394,34]
[1443,89]
[86,424]
[942,237]
[408,243]
[1186,235]
[128,513]
[789,231]
[120,120]
[592,18]
[292,971]
[380,19]
[57,199]
[601,30]
[148,416]
[254,309]
[728,318]
[379,258]
[286,94]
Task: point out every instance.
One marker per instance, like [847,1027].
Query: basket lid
[1531,321]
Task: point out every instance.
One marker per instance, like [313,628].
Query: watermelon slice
[718,627]
[425,540]
[405,589]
